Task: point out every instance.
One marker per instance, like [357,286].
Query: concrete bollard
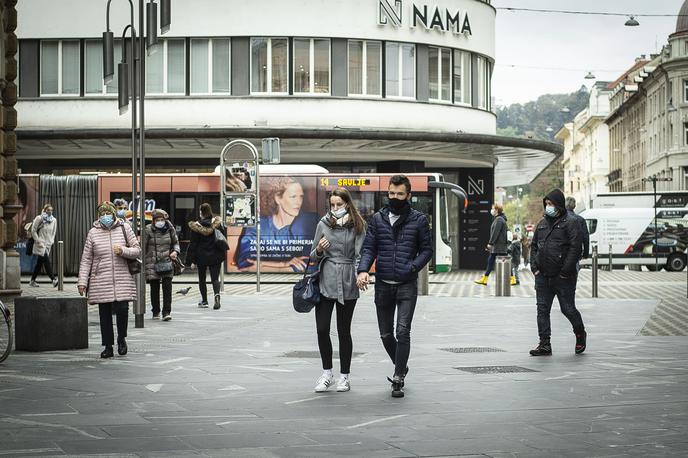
[503,276]
[60,265]
[423,281]
[595,272]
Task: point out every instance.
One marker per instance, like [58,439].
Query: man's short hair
[398,180]
[570,203]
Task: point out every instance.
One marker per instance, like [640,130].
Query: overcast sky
[570,45]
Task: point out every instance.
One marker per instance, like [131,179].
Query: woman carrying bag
[162,249]
[43,230]
[339,237]
[204,251]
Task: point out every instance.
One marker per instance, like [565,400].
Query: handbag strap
[124,233]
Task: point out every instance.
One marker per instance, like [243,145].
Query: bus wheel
[653,268]
[676,262]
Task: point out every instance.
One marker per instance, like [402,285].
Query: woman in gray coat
[337,246]
[498,243]
[162,248]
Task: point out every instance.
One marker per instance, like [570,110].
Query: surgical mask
[551,210]
[493,212]
[160,224]
[339,213]
[47,217]
[398,206]
[107,220]
[120,213]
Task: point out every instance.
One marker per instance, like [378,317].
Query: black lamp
[151,27]
[108,56]
[123,87]
[165,16]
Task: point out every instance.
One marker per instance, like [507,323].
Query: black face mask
[399,206]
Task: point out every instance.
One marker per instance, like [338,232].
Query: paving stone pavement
[239,382]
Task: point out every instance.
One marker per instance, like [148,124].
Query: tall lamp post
[126,79]
[654,180]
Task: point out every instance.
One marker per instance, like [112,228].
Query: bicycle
[5,332]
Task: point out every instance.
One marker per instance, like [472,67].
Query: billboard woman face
[291,200]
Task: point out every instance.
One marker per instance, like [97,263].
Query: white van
[631,234]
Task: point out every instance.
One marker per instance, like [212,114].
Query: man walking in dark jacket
[399,239]
[582,225]
[555,251]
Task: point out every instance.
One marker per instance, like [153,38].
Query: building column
[10,271]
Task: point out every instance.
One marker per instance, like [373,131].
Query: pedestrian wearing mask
[497,245]
[121,207]
[399,240]
[555,251]
[204,253]
[43,230]
[162,248]
[339,235]
[104,275]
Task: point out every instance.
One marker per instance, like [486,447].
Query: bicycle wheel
[5,333]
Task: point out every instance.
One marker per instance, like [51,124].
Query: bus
[180,194]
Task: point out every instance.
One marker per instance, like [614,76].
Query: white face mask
[493,212]
[160,224]
[339,213]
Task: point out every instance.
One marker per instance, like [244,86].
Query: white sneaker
[33,283]
[324,383]
[343,384]
[55,282]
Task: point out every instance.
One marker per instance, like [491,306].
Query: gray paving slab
[218,383]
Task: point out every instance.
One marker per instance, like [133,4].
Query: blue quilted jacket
[400,250]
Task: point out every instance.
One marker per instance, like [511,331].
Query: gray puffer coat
[159,244]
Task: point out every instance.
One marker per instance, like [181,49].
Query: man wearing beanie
[555,251]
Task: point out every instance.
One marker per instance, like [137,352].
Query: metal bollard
[60,265]
[423,280]
[503,276]
[595,272]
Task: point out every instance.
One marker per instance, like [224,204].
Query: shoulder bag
[306,291]
[220,241]
[134,265]
[30,242]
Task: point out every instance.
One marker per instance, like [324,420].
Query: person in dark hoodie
[555,251]
[582,226]
[497,246]
[399,238]
[204,253]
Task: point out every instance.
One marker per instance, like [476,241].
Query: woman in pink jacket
[104,275]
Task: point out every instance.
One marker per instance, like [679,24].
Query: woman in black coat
[205,253]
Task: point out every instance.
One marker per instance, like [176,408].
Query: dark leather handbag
[161,267]
[306,291]
[134,265]
[178,266]
[220,241]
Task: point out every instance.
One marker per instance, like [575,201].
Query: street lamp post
[138,89]
[654,180]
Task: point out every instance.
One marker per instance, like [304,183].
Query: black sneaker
[216,306]
[403,379]
[397,386]
[581,340]
[108,352]
[544,348]
[122,347]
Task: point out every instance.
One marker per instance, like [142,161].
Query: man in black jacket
[582,225]
[399,238]
[556,248]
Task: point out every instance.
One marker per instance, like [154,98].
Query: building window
[93,68]
[269,66]
[685,91]
[60,67]
[483,83]
[400,66]
[440,74]
[165,69]
[210,66]
[462,77]
[365,68]
[311,66]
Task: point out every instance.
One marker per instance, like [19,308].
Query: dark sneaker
[581,341]
[122,348]
[167,317]
[397,386]
[203,304]
[544,348]
[404,378]
[156,316]
[108,352]
[216,306]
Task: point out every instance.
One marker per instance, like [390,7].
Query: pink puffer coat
[102,272]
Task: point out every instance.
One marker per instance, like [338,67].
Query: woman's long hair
[356,219]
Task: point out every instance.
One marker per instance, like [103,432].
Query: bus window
[592,225]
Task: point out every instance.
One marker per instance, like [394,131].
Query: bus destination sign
[342,182]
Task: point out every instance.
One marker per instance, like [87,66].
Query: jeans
[565,291]
[401,299]
[214,277]
[40,262]
[514,272]
[166,295]
[121,309]
[323,317]
[491,262]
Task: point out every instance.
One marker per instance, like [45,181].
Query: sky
[564,47]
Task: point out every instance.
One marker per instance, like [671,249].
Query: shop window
[462,77]
[365,68]
[311,66]
[60,67]
[440,74]
[269,66]
[400,66]
[165,69]
[210,66]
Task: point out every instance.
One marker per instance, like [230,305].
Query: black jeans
[323,317]
[121,309]
[565,291]
[401,299]
[166,295]
[214,277]
[43,261]
[491,259]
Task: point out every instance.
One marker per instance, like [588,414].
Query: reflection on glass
[408,53]
[221,66]
[199,66]
[176,81]
[280,65]
[433,54]
[355,67]
[321,65]
[446,75]
[392,67]
[93,67]
[70,67]
[373,71]
[154,72]
[259,64]
[302,74]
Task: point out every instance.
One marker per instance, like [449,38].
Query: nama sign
[431,18]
